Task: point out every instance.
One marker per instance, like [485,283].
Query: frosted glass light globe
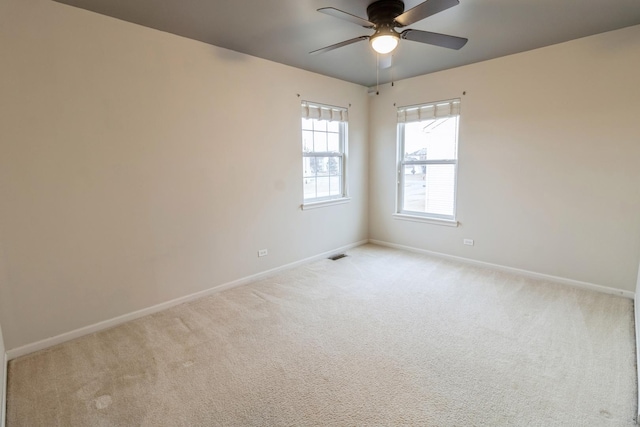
[384,43]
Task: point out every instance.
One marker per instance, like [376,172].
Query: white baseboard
[106,324]
[526,273]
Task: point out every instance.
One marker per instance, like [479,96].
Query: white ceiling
[285,31]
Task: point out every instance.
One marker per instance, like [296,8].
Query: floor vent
[337,257]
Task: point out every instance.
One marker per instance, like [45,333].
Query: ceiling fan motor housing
[385,11]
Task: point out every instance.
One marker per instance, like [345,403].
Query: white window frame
[313,110]
[418,113]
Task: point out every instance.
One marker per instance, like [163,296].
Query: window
[428,160]
[323,153]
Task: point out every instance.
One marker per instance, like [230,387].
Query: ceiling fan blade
[424,10]
[436,39]
[337,13]
[337,45]
[385,61]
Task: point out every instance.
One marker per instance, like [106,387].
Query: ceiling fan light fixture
[384,16]
[385,40]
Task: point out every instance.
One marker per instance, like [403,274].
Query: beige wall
[138,167]
[549,151]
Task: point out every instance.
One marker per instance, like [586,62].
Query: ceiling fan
[387,15]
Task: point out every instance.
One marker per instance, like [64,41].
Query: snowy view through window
[428,167]
[322,161]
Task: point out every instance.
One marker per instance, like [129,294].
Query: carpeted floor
[379,338]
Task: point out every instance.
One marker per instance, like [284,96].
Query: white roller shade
[437,110]
[324,112]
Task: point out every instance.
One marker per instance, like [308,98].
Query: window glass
[428,153]
[323,151]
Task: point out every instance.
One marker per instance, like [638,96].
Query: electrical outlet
[262,252]
[468,242]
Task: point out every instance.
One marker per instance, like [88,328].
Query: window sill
[324,203]
[435,221]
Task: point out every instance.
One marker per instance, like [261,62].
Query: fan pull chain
[393,63]
[377,74]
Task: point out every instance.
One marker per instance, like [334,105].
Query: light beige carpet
[379,338]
